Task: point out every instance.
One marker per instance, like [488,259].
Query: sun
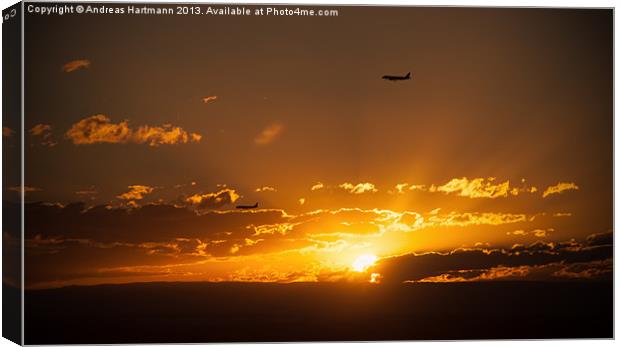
[363,262]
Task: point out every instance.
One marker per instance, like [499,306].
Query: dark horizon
[268,312]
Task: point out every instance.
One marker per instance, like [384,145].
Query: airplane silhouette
[247,207]
[397,78]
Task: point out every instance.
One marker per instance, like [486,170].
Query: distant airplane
[397,78]
[247,207]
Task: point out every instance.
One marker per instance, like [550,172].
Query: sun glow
[363,262]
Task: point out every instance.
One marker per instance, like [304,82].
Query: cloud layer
[539,260]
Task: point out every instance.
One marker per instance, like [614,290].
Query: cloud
[494,273]
[562,214]
[100,129]
[401,188]
[269,134]
[265,189]
[209,99]
[600,239]
[317,186]
[219,199]
[302,201]
[203,227]
[44,131]
[559,188]
[27,189]
[136,192]
[535,232]
[89,191]
[7,132]
[486,264]
[76,65]
[359,188]
[164,135]
[475,188]
[463,219]
[596,269]
[481,188]
[471,188]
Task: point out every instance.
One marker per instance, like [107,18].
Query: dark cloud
[474,262]
[149,223]
[606,238]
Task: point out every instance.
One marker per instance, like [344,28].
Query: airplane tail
[408,75]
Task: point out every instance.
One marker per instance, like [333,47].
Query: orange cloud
[164,135]
[44,131]
[269,134]
[359,188]
[100,129]
[559,188]
[76,65]
[562,214]
[495,273]
[136,192]
[209,99]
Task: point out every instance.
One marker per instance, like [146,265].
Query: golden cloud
[559,188]
[475,188]
[269,134]
[100,129]
[221,198]
[474,218]
[481,188]
[265,189]
[317,186]
[535,232]
[76,65]
[403,187]
[136,192]
[359,188]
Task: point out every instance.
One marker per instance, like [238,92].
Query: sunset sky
[143,133]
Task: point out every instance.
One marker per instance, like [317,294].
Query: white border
[489,3]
